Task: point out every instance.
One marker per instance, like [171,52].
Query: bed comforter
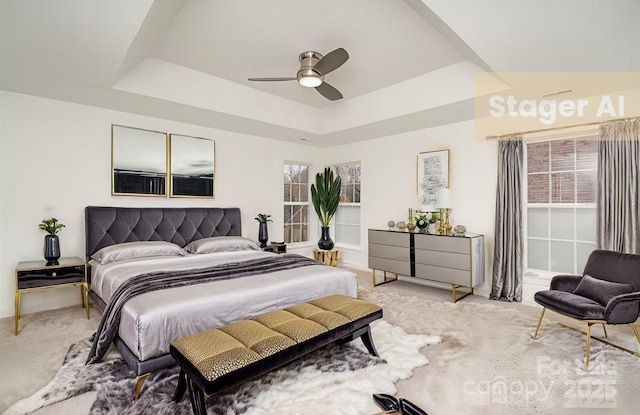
[149,321]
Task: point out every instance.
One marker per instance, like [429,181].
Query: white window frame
[539,273]
[307,203]
[352,204]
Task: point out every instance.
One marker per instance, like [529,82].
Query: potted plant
[424,219]
[51,242]
[263,231]
[325,195]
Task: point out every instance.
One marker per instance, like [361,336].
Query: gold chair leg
[635,331]
[588,352]
[604,327]
[535,336]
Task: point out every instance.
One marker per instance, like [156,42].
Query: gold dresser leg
[454,295]
[384,274]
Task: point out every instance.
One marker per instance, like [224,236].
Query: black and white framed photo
[432,175]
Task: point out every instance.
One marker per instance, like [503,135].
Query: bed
[150,321]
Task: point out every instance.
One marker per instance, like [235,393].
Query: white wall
[389,167]
[55,160]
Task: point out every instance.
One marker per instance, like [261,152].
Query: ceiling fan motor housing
[306,75]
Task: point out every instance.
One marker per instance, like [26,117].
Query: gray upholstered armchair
[607,293]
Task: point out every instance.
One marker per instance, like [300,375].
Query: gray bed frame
[106,226]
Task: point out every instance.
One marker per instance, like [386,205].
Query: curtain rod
[542,130]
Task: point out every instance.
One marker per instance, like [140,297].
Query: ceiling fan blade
[291,78]
[329,92]
[331,61]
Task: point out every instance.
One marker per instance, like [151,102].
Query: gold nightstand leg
[85,299]
[17,316]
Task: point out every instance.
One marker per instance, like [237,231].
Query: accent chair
[608,292]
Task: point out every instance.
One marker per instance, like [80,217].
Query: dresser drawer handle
[53,274]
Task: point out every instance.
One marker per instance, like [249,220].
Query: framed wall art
[432,174]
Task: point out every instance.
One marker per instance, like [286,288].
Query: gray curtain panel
[507,257]
[618,196]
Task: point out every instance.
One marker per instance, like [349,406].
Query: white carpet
[488,363]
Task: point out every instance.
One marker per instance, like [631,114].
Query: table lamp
[444,203]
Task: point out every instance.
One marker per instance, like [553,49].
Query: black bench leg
[365,334]
[182,386]
[368,342]
[197,399]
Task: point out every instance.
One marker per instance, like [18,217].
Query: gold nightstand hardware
[54,274]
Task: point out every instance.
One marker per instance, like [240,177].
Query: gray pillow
[601,291]
[129,250]
[221,244]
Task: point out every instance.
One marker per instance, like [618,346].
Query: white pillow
[128,250]
[221,244]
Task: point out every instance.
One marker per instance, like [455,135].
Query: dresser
[454,260]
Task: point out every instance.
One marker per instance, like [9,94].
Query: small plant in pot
[325,195]
[263,231]
[51,242]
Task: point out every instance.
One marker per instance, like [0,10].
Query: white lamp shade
[444,199]
[428,208]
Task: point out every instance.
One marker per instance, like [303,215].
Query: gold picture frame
[432,174]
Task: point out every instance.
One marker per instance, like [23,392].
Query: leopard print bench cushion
[217,352]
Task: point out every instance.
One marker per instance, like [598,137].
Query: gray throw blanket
[144,283]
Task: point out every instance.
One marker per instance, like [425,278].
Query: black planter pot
[51,249]
[263,234]
[325,241]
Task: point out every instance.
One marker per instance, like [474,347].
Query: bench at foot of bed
[214,360]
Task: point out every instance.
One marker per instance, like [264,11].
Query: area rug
[335,379]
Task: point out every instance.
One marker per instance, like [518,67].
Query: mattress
[151,321]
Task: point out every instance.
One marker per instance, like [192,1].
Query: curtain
[507,257]
[618,196]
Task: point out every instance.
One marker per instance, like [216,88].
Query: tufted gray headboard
[106,226]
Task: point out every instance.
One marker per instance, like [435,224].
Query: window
[347,218]
[561,204]
[296,202]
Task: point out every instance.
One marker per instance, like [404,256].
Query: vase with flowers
[424,219]
[51,242]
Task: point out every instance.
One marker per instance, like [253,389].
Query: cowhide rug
[332,380]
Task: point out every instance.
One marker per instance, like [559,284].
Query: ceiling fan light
[310,81]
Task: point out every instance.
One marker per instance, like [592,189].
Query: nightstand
[276,248]
[37,276]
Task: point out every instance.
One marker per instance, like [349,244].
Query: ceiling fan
[313,68]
